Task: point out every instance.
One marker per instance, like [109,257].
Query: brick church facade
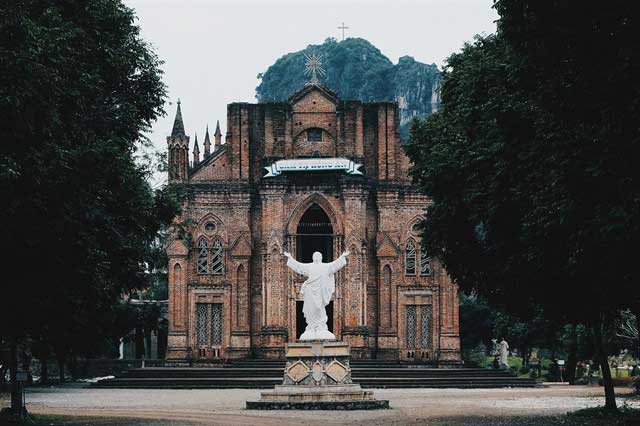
[230,292]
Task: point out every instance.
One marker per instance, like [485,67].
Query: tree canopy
[79,89]
[529,162]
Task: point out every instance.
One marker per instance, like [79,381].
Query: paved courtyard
[226,407]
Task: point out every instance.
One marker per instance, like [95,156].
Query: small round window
[210,227]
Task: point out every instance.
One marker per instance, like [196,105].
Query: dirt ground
[438,407]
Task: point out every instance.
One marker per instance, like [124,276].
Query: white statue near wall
[504,353]
[316,292]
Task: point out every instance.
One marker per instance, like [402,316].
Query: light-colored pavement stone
[220,407]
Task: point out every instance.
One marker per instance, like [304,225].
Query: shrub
[476,357]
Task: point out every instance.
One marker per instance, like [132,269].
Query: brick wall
[371,215]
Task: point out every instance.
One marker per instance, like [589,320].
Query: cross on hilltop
[342,27]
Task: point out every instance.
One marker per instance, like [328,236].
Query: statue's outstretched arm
[300,268]
[339,263]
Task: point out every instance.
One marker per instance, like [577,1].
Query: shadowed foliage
[536,198]
[78,90]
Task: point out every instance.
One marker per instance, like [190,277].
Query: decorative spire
[196,152]
[218,135]
[178,125]
[207,143]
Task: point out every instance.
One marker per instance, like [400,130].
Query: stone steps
[271,383]
[277,372]
[264,375]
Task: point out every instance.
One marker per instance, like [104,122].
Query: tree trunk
[572,358]
[73,367]
[609,393]
[16,394]
[637,314]
[139,342]
[44,370]
[147,341]
[523,354]
[61,369]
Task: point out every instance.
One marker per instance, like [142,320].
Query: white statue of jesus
[316,292]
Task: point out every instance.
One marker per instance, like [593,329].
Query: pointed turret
[196,152]
[178,145]
[207,143]
[178,125]
[218,136]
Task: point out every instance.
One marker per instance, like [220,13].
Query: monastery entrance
[314,233]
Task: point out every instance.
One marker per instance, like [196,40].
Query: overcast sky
[214,49]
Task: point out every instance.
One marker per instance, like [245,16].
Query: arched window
[242,294]
[410,258]
[176,305]
[177,274]
[425,261]
[314,135]
[203,256]
[386,303]
[217,258]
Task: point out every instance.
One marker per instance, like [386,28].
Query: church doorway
[301,323]
[314,233]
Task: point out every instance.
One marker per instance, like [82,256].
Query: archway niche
[314,233]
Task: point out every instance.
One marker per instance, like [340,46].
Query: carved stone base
[317,376]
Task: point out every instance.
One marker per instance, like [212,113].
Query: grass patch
[514,361]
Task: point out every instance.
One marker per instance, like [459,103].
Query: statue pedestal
[317,376]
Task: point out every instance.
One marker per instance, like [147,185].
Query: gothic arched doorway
[314,233]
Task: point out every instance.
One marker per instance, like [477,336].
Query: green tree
[525,334]
[476,326]
[536,197]
[79,87]
[157,268]
[480,322]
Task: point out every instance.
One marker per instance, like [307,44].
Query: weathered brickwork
[230,292]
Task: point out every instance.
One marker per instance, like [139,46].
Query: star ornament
[313,67]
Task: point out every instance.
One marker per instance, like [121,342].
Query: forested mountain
[356,69]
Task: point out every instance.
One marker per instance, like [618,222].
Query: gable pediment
[241,247]
[212,167]
[177,248]
[387,248]
[314,98]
